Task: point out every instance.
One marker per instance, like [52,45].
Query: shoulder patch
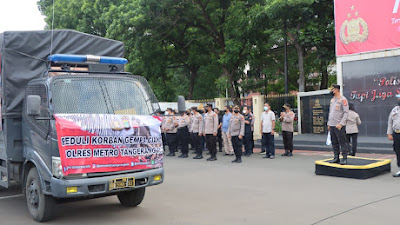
[344,102]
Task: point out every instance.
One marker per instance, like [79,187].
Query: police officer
[248,134]
[219,133]
[183,134]
[210,130]
[197,129]
[236,131]
[159,114]
[286,119]
[338,113]
[393,132]
[170,128]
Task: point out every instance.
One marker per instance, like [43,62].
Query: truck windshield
[99,95]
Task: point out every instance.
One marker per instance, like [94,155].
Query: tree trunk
[324,77]
[231,88]
[300,56]
[193,75]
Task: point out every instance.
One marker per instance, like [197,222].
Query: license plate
[124,182]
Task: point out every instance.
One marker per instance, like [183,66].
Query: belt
[397,131]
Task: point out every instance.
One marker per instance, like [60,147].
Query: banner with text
[364,26]
[104,143]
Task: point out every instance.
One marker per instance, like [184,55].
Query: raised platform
[358,168]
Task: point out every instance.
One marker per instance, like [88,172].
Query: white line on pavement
[11,196]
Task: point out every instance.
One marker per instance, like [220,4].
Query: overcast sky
[20,15]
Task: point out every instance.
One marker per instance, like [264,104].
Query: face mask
[332,93]
[265,108]
[166,113]
[244,111]
[236,111]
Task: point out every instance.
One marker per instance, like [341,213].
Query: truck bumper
[98,186]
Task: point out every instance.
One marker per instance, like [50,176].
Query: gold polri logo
[353,27]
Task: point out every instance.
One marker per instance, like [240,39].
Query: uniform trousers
[164,140]
[339,140]
[288,140]
[248,143]
[227,143]
[268,143]
[183,136]
[197,144]
[396,147]
[219,139]
[172,142]
[352,138]
[237,146]
[211,144]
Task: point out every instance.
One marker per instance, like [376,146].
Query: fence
[276,101]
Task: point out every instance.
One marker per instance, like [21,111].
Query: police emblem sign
[365,26]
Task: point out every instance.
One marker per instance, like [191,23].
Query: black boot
[286,153]
[336,159]
[290,154]
[198,157]
[344,160]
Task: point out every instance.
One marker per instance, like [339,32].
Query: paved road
[258,191]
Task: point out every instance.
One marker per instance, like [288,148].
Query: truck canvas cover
[23,57]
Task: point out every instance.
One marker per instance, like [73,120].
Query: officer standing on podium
[338,113]
[393,132]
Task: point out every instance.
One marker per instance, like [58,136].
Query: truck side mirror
[33,105]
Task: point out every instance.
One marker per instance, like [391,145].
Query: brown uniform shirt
[287,121]
[338,111]
[169,125]
[236,125]
[197,123]
[210,123]
[394,120]
[353,120]
[184,121]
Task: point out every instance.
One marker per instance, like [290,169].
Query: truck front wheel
[131,198]
[40,206]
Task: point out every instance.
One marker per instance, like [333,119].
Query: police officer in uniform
[393,132]
[236,131]
[210,131]
[286,119]
[248,134]
[338,113]
[197,129]
[183,134]
[170,128]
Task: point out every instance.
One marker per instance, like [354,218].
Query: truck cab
[82,87]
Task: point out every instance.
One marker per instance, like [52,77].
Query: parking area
[258,191]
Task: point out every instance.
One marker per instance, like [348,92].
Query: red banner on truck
[365,26]
[91,143]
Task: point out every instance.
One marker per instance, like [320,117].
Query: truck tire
[40,206]
[131,198]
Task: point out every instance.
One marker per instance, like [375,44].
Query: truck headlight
[56,167]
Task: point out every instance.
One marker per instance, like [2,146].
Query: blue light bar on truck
[57,58]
